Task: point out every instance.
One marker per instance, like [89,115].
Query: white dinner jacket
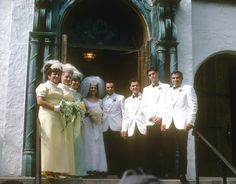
[133,114]
[113,109]
[181,106]
[153,101]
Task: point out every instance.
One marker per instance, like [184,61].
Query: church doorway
[113,32]
[215,84]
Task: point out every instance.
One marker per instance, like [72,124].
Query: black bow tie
[154,85]
[176,87]
[134,96]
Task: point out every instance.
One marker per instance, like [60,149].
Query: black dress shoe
[182,178]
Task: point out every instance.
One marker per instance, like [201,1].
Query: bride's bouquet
[72,110]
[96,115]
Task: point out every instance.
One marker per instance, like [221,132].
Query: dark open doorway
[109,65]
[215,83]
[232,129]
[113,31]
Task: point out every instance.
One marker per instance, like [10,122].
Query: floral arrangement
[96,115]
[72,110]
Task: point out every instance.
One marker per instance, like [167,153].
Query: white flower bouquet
[96,115]
[72,110]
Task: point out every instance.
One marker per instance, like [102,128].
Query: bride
[92,90]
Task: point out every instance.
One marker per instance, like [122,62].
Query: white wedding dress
[94,150]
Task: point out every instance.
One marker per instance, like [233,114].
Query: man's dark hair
[177,72]
[152,68]
[133,80]
[109,81]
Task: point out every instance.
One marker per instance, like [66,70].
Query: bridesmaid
[68,96]
[80,169]
[53,161]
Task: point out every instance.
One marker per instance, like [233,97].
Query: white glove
[57,108]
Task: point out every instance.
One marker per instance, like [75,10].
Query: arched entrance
[215,84]
[125,36]
[114,32]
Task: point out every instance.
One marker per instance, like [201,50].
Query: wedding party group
[88,130]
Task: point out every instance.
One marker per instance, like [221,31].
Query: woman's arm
[42,102]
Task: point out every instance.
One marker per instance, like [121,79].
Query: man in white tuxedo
[134,128]
[181,109]
[153,107]
[113,109]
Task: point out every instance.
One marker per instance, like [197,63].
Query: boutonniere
[180,89]
[139,98]
[114,100]
[159,87]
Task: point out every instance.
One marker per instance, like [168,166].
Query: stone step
[31,180]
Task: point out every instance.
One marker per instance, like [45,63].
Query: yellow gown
[69,130]
[53,152]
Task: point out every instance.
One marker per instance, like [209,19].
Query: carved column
[166,45]
[161,53]
[173,58]
[28,161]
[48,50]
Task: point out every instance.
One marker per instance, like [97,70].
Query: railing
[226,165]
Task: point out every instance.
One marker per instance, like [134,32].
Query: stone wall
[15,24]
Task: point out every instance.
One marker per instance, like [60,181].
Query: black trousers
[115,147]
[154,150]
[136,152]
[175,141]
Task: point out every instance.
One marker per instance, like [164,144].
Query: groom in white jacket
[113,109]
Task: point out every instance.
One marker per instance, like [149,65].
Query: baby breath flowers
[95,114]
[72,110]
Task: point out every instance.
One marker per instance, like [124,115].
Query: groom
[113,108]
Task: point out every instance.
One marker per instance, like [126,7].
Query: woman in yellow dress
[67,72]
[53,153]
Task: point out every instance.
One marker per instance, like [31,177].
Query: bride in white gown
[94,151]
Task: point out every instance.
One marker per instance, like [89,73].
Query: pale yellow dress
[53,152]
[69,130]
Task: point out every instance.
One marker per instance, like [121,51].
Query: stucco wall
[17,21]
[213,29]
[184,35]
[5,27]
[185,64]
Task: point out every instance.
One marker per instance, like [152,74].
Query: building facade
[196,37]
